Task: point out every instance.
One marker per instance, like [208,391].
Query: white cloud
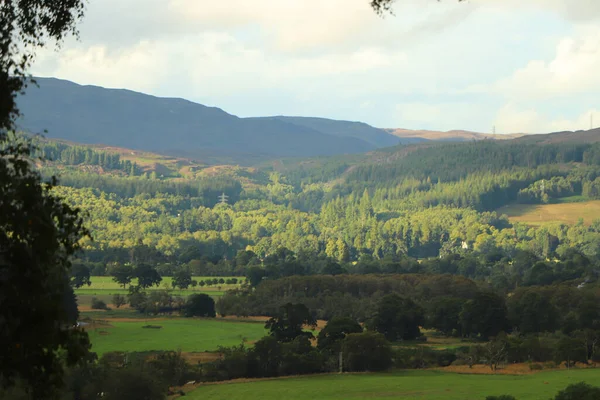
[442,116]
[337,58]
[573,70]
[513,119]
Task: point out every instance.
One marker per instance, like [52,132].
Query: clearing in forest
[567,212]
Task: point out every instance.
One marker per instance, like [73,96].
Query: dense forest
[415,201]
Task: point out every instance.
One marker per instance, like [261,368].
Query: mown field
[184,334]
[567,212]
[406,385]
[103,288]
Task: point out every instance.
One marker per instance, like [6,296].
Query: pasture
[566,212]
[405,385]
[184,334]
[103,287]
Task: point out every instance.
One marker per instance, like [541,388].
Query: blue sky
[434,65]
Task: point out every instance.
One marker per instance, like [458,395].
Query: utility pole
[341,362]
[591,120]
[223,198]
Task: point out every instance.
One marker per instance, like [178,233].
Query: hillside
[123,118]
[359,130]
[449,136]
[577,137]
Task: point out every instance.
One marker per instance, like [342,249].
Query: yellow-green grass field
[103,288]
[405,385]
[184,334]
[538,214]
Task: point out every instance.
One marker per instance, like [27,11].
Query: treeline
[207,189]
[580,181]
[451,162]
[82,155]
[182,228]
[356,296]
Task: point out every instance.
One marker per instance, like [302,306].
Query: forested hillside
[417,201]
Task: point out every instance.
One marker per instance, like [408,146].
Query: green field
[188,335]
[565,212]
[103,287]
[406,385]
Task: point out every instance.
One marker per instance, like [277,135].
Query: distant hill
[577,137]
[358,130]
[123,118]
[449,136]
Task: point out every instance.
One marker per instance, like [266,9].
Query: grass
[185,334]
[568,211]
[103,287]
[406,385]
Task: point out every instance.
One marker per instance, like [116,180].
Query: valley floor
[405,385]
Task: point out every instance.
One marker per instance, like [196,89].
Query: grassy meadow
[569,211]
[103,288]
[184,334]
[405,385]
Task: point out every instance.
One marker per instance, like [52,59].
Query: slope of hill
[123,118]
[577,137]
[449,136]
[359,130]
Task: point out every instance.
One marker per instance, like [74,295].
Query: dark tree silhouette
[398,318]
[200,305]
[182,279]
[290,322]
[335,331]
[38,231]
[80,276]
[147,276]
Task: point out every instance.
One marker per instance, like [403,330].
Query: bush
[200,305]
[368,351]
[119,300]
[579,391]
[536,367]
[98,304]
[423,357]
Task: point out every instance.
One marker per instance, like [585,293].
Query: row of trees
[452,305]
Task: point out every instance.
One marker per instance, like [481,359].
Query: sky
[521,66]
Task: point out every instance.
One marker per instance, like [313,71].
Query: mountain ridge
[124,118]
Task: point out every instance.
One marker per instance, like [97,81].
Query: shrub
[368,351]
[98,304]
[119,300]
[579,391]
[200,305]
[536,367]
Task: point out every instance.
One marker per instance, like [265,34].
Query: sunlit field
[405,385]
[104,287]
[568,212]
[184,334]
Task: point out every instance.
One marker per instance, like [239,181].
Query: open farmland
[103,288]
[405,385]
[538,214]
[187,335]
